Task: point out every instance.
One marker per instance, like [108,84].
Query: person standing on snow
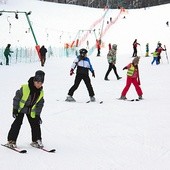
[98,45]
[7,53]
[135,44]
[82,62]
[43,52]
[111,57]
[147,50]
[167,23]
[155,57]
[132,78]
[159,50]
[28,100]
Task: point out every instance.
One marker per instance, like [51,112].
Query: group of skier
[29,98]
[156,54]
[83,64]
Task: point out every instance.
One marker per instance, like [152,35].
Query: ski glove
[71,72]
[15,113]
[93,75]
[124,68]
[39,120]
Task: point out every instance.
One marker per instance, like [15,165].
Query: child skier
[155,57]
[111,57]
[147,50]
[159,50]
[82,62]
[28,100]
[132,78]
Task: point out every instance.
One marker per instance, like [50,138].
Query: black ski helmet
[83,51]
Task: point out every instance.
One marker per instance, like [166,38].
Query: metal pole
[26,14]
[31,28]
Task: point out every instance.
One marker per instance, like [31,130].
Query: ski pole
[166,54]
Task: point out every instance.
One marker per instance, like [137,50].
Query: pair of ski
[99,102]
[130,100]
[89,101]
[25,151]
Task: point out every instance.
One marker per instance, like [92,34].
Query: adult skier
[7,53]
[135,44]
[159,49]
[43,52]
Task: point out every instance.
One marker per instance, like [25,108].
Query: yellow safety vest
[26,93]
[131,70]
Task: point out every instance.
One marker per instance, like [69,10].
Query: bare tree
[129,4]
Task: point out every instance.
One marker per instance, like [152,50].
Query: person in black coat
[135,44]
[28,101]
[43,52]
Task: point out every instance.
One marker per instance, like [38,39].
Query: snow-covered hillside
[115,135]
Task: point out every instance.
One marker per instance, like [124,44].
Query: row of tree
[128,4]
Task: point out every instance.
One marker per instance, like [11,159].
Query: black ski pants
[77,81]
[43,59]
[98,52]
[7,59]
[134,52]
[111,66]
[16,125]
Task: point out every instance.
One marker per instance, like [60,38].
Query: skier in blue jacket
[82,62]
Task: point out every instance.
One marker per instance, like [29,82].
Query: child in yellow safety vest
[132,78]
[28,101]
[155,58]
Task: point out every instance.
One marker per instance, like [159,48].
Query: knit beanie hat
[114,46]
[136,60]
[39,76]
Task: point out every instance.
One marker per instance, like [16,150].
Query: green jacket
[7,52]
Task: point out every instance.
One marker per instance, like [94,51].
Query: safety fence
[29,55]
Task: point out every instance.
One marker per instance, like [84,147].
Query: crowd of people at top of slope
[42,54]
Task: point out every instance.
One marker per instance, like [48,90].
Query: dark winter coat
[83,65]
[7,52]
[43,51]
[34,94]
